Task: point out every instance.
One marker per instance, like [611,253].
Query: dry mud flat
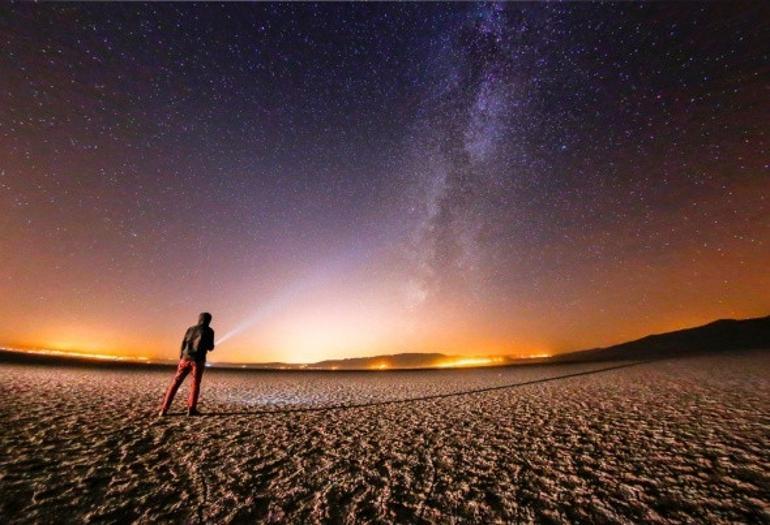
[674,441]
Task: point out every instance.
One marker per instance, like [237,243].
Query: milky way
[342,179]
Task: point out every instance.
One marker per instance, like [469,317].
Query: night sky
[335,180]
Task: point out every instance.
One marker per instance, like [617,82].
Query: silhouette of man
[197,342]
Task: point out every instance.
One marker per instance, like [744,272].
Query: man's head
[204,319]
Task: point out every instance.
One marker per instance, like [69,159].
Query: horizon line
[463,361]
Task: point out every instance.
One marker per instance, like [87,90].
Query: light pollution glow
[449,362]
[468,361]
[80,355]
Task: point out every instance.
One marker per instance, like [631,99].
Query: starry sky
[337,180]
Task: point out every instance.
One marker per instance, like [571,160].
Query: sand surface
[675,441]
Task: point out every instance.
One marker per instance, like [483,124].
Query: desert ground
[683,440]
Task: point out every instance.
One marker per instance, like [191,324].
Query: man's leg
[192,400]
[181,372]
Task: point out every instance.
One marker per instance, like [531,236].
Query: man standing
[198,340]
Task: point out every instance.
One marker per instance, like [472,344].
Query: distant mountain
[406,360]
[718,336]
[42,357]
[384,362]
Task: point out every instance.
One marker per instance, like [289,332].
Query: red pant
[185,367]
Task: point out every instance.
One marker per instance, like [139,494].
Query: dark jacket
[197,342]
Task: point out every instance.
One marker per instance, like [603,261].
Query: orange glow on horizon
[79,355]
[77,344]
[468,362]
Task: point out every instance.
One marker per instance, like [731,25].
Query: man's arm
[211,341]
[184,343]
